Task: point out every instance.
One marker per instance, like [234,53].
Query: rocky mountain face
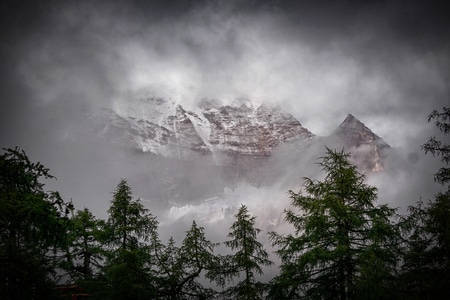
[241,136]
[368,149]
[246,135]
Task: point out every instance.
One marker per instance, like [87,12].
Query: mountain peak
[352,122]
[355,133]
[241,135]
[355,136]
[350,117]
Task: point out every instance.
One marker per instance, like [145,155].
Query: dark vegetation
[343,245]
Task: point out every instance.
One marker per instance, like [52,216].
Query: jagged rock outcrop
[247,135]
[246,130]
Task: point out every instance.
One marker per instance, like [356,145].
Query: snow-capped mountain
[243,135]
[224,134]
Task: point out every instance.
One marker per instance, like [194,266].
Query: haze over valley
[76,78]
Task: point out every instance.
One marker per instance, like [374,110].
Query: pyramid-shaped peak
[351,118]
[352,127]
[353,132]
[351,122]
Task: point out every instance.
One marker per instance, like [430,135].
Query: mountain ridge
[241,135]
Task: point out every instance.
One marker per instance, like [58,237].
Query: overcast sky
[386,62]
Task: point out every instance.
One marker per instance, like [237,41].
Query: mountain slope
[368,149]
[223,134]
[243,136]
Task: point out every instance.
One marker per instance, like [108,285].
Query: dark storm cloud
[387,62]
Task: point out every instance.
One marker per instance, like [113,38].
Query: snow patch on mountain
[202,127]
[242,134]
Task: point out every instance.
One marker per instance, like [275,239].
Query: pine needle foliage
[344,246]
[249,258]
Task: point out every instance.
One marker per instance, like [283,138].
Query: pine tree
[131,231]
[181,268]
[249,258]
[426,271]
[84,253]
[33,224]
[343,246]
[436,147]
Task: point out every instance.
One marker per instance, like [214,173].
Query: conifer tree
[33,224]
[84,253]
[130,231]
[344,246]
[426,271]
[437,147]
[181,268]
[249,258]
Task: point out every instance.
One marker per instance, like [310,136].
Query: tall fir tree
[130,232]
[84,253]
[344,246]
[426,269]
[182,268]
[248,260]
[33,224]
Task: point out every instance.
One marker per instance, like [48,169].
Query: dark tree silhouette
[344,246]
[33,224]
[130,232]
[426,271]
[249,258]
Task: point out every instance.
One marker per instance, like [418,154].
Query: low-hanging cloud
[103,52]
[386,63]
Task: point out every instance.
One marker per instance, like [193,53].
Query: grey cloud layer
[387,63]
